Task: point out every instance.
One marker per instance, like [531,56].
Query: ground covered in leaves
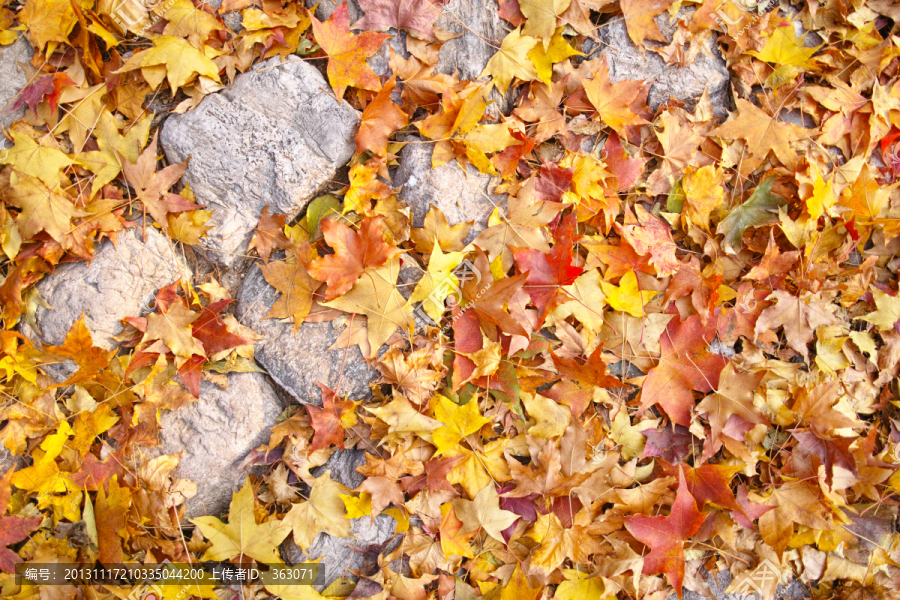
[674,346]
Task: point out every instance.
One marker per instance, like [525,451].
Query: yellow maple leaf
[544,56]
[511,61]
[181,63]
[541,15]
[703,193]
[458,422]
[626,296]
[30,158]
[438,283]
[376,296]
[324,512]
[242,535]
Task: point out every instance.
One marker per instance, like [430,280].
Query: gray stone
[232,18]
[9,461]
[215,434]
[12,79]
[626,62]
[297,361]
[343,464]
[460,195]
[276,137]
[480,26]
[120,281]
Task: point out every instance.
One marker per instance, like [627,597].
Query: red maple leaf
[547,274]
[685,364]
[326,420]
[12,529]
[666,536]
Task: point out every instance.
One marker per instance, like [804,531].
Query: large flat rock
[215,433]
[626,61]
[297,361]
[460,195]
[12,79]
[276,137]
[120,281]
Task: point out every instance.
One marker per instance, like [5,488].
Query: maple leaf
[46,87]
[649,234]
[703,193]
[685,364]
[152,186]
[761,208]
[436,227]
[269,235]
[79,347]
[795,503]
[12,529]
[182,62]
[614,101]
[773,263]
[627,297]
[541,18]
[547,274]
[111,510]
[296,287]
[242,535]
[347,53]
[591,373]
[416,16]
[734,396]
[887,313]
[484,511]
[666,536]
[354,252]
[511,61]
[488,307]
[330,420]
[762,132]
[799,315]
[784,47]
[434,476]
[626,169]
[458,422]
[376,296]
[324,512]
[544,56]
[640,19]
[172,326]
[438,283]
[43,209]
[380,119]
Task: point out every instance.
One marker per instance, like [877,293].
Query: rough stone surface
[120,281]
[460,195]
[9,461]
[232,18]
[297,361]
[216,433]
[337,558]
[342,465]
[274,138]
[687,83]
[470,53]
[12,79]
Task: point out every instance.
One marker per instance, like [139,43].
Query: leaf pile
[675,347]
